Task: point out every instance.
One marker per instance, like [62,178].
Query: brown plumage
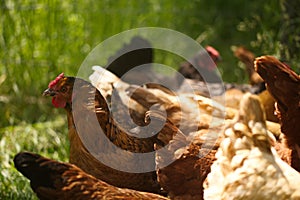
[191,159]
[248,58]
[184,176]
[247,167]
[183,165]
[51,179]
[101,146]
[284,85]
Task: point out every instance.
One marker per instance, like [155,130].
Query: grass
[48,139]
[40,39]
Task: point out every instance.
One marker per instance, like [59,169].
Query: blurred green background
[40,39]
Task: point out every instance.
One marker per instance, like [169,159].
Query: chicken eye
[63,89]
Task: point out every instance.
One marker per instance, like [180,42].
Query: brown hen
[248,58]
[284,85]
[101,146]
[51,179]
[190,159]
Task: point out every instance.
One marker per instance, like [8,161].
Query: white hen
[247,167]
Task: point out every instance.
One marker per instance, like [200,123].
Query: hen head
[60,89]
[213,53]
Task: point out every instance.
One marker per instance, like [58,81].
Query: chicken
[201,67]
[248,58]
[284,86]
[51,179]
[133,61]
[247,166]
[103,147]
[184,165]
[209,82]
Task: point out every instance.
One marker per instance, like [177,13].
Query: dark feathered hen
[51,179]
[202,66]
[284,85]
[99,145]
[138,52]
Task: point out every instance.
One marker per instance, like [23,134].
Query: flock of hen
[202,150]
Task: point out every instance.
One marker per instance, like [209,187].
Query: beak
[49,92]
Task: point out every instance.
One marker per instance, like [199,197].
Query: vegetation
[47,138]
[40,39]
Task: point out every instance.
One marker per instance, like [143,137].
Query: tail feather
[37,169]
[51,179]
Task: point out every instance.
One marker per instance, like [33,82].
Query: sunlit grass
[48,139]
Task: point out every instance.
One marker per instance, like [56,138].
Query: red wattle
[58,103]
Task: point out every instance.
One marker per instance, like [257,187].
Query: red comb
[212,51]
[54,82]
